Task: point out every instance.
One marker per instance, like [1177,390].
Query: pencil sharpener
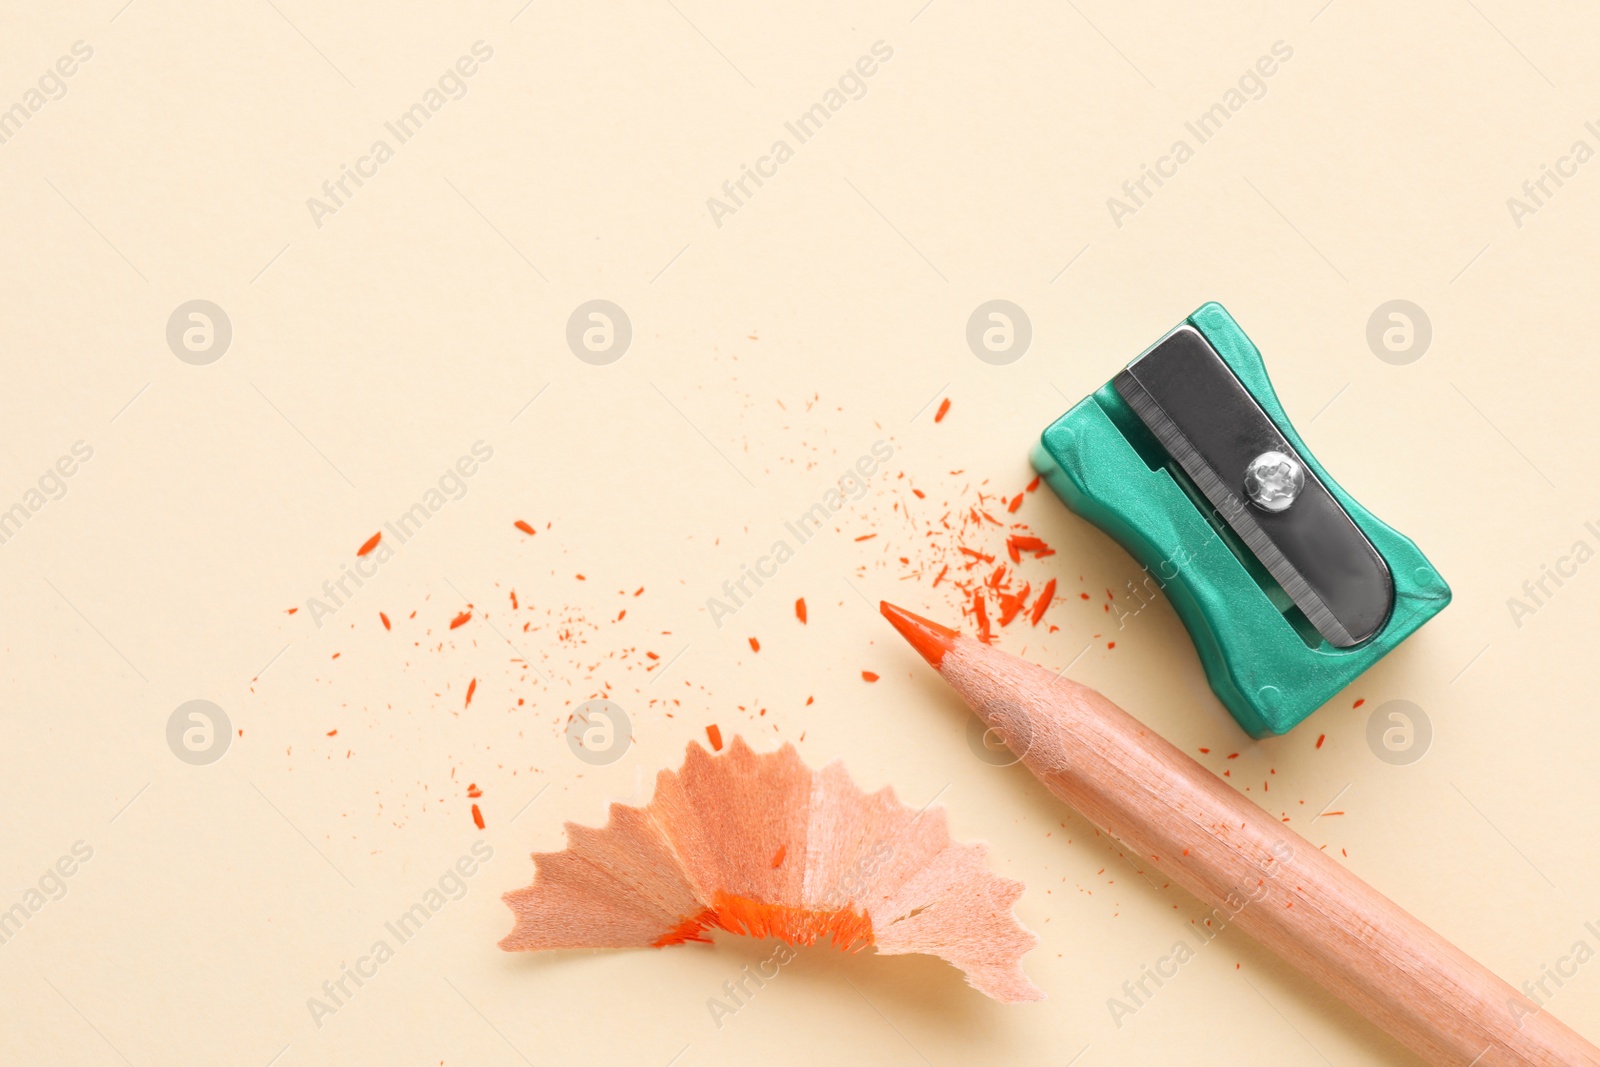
[1288,586]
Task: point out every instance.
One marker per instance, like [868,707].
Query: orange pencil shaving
[765,846]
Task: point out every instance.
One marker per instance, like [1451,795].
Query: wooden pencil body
[1258,874]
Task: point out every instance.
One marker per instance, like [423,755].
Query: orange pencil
[1276,886]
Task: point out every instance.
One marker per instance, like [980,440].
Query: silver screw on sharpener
[1273,480]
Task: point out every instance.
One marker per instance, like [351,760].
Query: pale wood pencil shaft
[1170,812]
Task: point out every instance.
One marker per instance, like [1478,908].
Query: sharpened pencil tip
[926,636]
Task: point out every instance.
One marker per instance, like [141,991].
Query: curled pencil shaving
[763,845]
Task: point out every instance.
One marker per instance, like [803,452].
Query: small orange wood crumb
[1046,595]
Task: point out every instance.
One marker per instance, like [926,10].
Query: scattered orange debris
[869,676]
[1321,738]
[474,791]
[800,609]
[477,817]
[334,732]
[472,687]
[714,735]
[959,548]
[755,646]
[944,409]
[524,527]
[385,619]
[372,543]
[461,620]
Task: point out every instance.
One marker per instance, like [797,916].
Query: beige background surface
[768,353]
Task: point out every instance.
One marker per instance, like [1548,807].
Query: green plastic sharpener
[1288,586]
